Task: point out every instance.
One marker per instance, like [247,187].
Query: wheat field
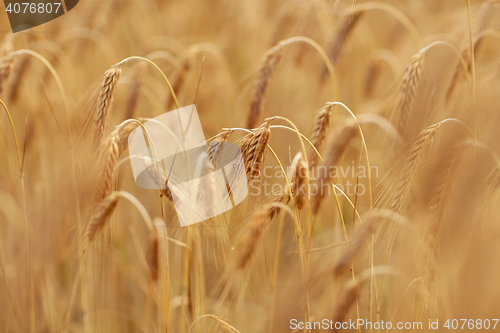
[399,99]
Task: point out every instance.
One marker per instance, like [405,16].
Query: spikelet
[342,136]
[268,65]
[318,135]
[101,215]
[104,100]
[407,92]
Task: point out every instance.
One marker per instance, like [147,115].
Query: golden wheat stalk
[268,65]
[101,215]
[104,100]
[408,91]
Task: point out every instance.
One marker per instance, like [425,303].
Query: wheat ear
[268,65]
[105,96]
[254,147]
[318,135]
[412,165]
[101,215]
[108,156]
[408,91]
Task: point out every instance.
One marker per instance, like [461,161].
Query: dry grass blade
[318,135]
[101,215]
[254,147]
[412,165]
[341,139]
[108,156]
[104,100]
[408,91]
[346,26]
[268,65]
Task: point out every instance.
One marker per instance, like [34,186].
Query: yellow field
[383,115]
